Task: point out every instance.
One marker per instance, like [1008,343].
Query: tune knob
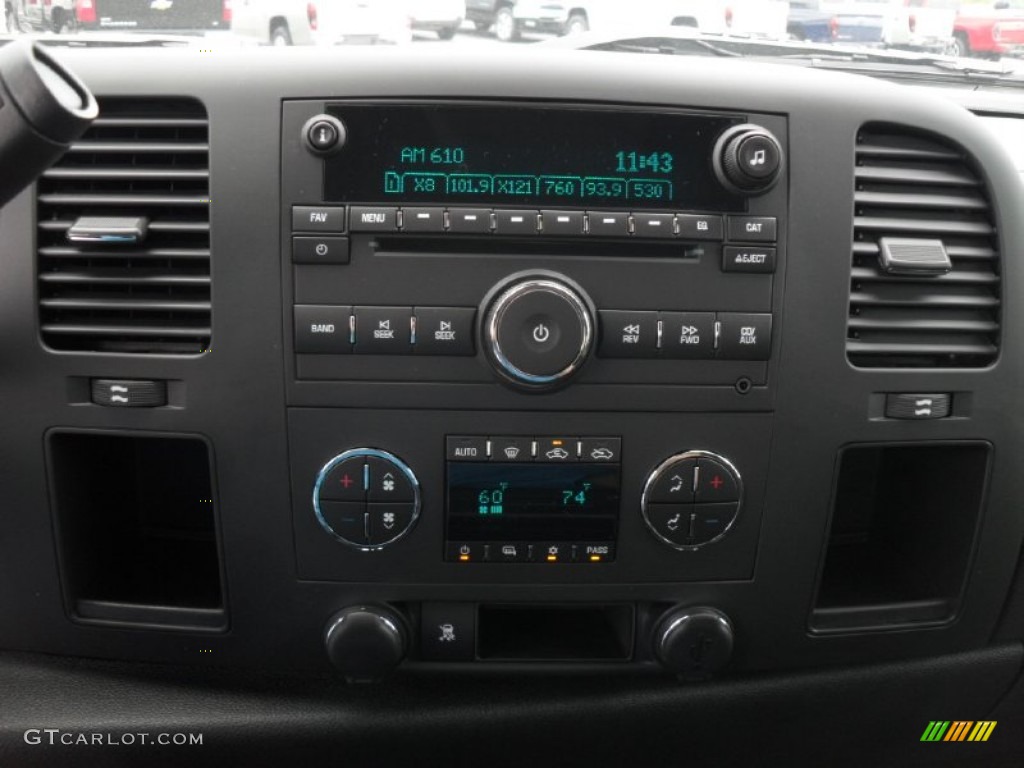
[694,642]
[748,159]
[538,330]
[366,643]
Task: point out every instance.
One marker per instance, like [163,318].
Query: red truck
[989,31]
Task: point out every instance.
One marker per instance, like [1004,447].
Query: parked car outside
[989,31]
[325,22]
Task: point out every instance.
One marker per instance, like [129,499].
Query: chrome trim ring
[655,475]
[355,453]
[501,305]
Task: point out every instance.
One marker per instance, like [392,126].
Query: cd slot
[443,245]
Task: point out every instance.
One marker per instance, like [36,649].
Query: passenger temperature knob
[748,159]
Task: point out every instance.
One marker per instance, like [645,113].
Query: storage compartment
[902,535]
[555,632]
[136,528]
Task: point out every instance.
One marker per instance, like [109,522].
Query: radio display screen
[532,502]
[527,156]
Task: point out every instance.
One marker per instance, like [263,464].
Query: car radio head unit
[445,153]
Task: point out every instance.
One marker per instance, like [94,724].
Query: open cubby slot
[902,534]
[136,530]
[555,632]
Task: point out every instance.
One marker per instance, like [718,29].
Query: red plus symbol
[717,482]
[346,480]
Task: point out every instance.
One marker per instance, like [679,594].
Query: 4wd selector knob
[748,159]
[538,331]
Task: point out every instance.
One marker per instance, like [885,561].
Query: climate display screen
[527,156]
[532,502]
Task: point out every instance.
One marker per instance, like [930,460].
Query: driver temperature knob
[748,159]
[538,330]
[694,642]
[366,643]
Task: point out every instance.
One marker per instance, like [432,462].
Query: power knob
[538,330]
[694,642]
[366,643]
[748,159]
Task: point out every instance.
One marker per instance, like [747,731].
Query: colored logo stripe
[982,730]
[958,730]
[935,730]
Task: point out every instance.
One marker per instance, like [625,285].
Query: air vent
[143,159]
[912,187]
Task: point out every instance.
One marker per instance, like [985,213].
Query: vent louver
[142,158]
[912,185]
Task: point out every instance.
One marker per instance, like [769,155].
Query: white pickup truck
[759,18]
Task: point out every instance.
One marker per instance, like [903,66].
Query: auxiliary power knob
[748,159]
[366,643]
[538,330]
[694,642]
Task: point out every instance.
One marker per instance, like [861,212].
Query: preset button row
[468,220]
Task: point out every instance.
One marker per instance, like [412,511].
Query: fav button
[318,218]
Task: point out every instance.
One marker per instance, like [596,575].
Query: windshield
[978,35]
